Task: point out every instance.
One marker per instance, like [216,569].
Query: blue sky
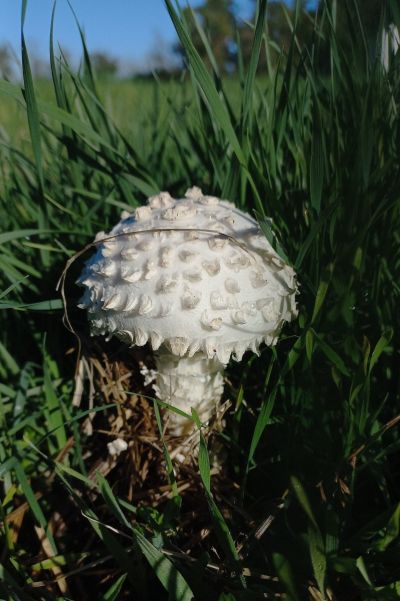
[126,29]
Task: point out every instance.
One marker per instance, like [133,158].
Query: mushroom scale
[196,278]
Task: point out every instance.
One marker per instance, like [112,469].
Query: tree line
[230,37]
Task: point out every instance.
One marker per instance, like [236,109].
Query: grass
[309,504]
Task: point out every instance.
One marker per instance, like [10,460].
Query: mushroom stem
[188,383]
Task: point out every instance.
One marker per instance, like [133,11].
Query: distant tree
[217,19]
[368,13]
[280,16]
[369,10]
[104,64]
[39,65]
[6,61]
[160,58]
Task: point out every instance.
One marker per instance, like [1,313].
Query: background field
[308,503]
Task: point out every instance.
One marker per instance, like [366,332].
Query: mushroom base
[188,383]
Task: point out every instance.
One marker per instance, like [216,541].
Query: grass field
[307,505]
[131,104]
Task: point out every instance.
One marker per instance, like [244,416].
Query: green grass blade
[262,422]
[55,304]
[8,360]
[316,164]
[111,501]
[252,68]
[221,528]
[169,576]
[216,106]
[33,503]
[113,592]
[53,408]
[34,125]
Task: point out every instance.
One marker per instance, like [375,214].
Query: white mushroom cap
[194,274]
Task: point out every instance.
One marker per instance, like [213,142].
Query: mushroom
[197,279]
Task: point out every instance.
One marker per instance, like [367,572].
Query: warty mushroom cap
[196,275]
